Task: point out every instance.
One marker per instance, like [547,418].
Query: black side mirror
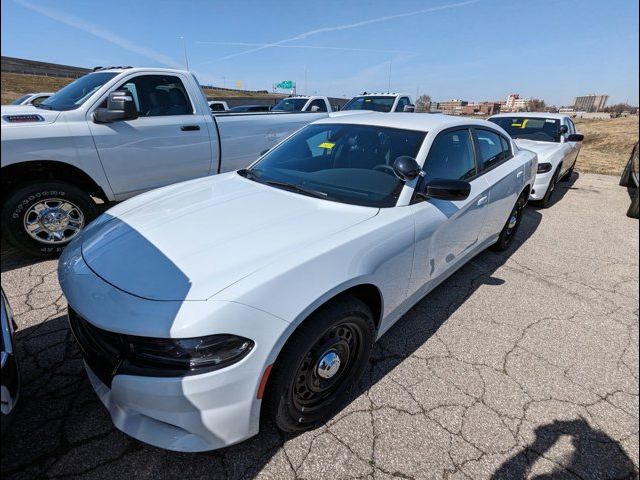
[406,168]
[575,137]
[563,129]
[120,106]
[447,189]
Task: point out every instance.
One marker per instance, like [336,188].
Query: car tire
[510,229]
[568,174]
[308,385]
[41,218]
[548,196]
[633,209]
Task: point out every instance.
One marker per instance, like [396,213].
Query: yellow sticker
[521,125]
[326,145]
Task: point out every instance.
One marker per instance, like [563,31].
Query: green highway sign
[285,84]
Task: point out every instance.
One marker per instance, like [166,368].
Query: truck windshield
[74,94]
[340,162]
[530,128]
[369,102]
[290,105]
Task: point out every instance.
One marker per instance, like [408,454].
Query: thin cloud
[315,47]
[102,33]
[350,26]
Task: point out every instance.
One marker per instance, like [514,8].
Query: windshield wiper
[297,188]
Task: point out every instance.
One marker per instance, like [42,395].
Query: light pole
[184,47]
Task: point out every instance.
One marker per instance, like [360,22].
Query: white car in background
[198,305]
[32,98]
[380,102]
[554,138]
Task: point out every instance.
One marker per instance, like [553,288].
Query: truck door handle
[189,128]
[482,200]
[520,173]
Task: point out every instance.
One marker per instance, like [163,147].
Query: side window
[491,148]
[401,104]
[38,100]
[216,107]
[570,126]
[506,147]
[451,157]
[318,103]
[159,95]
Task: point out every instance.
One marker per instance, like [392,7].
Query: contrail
[100,32]
[349,26]
[316,47]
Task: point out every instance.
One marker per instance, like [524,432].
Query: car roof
[556,116]
[409,121]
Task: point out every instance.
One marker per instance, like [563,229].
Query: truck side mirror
[409,108]
[120,106]
[315,108]
[563,129]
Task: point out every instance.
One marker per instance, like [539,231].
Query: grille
[101,350]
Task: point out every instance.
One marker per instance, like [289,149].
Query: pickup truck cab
[303,103]
[381,102]
[113,134]
[554,138]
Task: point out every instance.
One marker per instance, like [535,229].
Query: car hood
[191,240]
[33,115]
[542,149]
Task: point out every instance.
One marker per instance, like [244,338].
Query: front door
[446,231]
[167,143]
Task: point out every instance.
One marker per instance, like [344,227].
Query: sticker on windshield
[521,125]
[327,145]
[550,120]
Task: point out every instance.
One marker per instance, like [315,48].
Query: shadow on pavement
[61,429]
[595,456]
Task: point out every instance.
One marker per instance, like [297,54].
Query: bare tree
[535,105]
[423,103]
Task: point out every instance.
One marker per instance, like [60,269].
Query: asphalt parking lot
[523,364]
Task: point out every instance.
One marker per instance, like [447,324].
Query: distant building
[452,106]
[515,104]
[482,108]
[566,110]
[590,103]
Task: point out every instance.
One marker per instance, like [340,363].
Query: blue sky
[473,49]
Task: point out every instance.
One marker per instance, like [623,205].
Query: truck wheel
[510,228]
[41,218]
[633,209]
[319,365]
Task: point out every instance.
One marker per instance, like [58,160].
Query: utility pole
[184,47]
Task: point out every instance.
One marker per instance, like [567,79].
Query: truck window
[370,102]
[322,106]
[158,95]
[290,105]
[401,104]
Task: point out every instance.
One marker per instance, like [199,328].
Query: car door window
[158,95]
[491,148]
[451,157]
[318,103]
[38,100]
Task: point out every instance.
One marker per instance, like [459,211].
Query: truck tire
[633,209]
[41,218]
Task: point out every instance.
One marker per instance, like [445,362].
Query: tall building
[515,103]
[590,103]
[452,106]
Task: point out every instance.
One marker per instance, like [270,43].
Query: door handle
[482,200]
[190,128]
[520,173]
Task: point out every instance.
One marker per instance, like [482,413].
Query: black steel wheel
[510,228]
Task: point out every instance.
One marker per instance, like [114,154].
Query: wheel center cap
[328,365]
[512,221]
[54,220]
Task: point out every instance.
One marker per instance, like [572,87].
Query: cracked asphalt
[521,365]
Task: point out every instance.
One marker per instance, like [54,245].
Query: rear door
[168,143]
[506,181]
[446,231]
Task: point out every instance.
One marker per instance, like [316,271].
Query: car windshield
[340,162]
[369,102]
[532,128]
[18,101]
[74,94]
[290,105]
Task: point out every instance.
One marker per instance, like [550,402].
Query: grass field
[16,84]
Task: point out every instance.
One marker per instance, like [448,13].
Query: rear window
[370,102]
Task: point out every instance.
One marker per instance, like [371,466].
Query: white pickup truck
[303,103]
[110,135]
[381,102]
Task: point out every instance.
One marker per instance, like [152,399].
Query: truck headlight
[201,353]
[544,167]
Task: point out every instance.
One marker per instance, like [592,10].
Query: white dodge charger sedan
[553,137]
[202,306]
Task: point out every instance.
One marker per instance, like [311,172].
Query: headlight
[214,351]
[544,167]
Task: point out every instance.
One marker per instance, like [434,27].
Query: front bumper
[191,413]
[541,185]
